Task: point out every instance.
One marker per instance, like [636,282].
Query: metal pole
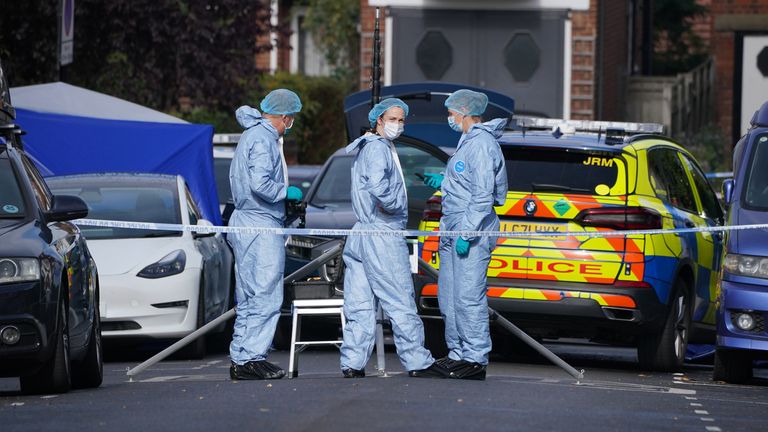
[381,362]
[533,343]
[298,274]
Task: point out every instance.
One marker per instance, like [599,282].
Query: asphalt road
[519,394]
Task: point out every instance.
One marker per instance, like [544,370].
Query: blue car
[743,298]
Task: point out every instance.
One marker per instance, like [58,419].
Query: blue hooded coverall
[377,267]
[259,185]
[475,180]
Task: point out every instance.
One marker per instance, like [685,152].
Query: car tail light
[434,209]
[625,218]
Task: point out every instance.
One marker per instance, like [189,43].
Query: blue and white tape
[403,233]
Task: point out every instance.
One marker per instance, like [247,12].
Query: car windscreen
[157,203]
[564,171]
[335,185]
[221,171]
[756,190]
[11,200]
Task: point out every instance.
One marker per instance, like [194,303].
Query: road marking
[695,404]
[701,412]
[17,404]
[713,429]
[707,419]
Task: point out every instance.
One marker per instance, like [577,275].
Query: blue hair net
[381,107]
[281,101]
[467,102]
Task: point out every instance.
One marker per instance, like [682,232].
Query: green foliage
[319,128]
[681,48]
[708,147]
[333,24]
[153,52]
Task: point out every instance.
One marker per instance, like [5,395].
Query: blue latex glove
[294,194]
[462,247]
[433,180]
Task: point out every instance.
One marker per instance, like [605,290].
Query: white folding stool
[311,307]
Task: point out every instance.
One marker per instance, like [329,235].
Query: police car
[655,292]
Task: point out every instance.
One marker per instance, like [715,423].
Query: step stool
[311,307]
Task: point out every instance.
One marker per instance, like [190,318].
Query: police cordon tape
[403,233]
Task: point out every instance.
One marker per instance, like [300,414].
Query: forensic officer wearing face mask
[474,182]
[377,267]
[259,180]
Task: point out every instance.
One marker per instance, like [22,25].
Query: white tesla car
[154,284]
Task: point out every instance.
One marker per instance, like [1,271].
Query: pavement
[519,394]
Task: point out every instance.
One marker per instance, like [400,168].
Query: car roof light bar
[589,125]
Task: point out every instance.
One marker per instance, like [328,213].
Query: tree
[333,24]
[154,52]
[678,48]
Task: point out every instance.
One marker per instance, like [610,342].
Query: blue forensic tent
[72,130]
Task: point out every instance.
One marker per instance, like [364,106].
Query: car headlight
[19,270]
[746,265]
[169,265]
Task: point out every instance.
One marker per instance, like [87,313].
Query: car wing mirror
[66,208]
[203,223]
[728,192]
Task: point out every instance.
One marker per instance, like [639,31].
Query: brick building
[739,32]
[578,63]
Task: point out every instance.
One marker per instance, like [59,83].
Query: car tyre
[55,375]
[665,351]
[434,337]
[89,373]
[733,367]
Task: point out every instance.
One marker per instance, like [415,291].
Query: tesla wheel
[55,375]
[732,366]
[665,351]
[89,373]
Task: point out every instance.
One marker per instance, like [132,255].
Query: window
[11,200]
[42,193]
[669,179]
[221,171]
[415,160]
[709,202]
[336,183]
[192,210]
[756,190]
[121,200]
[553,170]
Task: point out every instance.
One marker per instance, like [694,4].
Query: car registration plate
[533,227]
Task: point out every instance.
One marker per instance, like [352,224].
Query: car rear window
[335,185]
[564,171]
[221,171]
[756,191]
[11,200]
[130,203]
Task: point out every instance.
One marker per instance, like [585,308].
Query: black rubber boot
[255,370]
[353,373]
[450,364]
[468,371]
[435,370]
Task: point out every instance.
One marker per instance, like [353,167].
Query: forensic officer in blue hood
[259,179]
[377,267]
[474,182]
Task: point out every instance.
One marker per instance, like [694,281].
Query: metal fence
[683,103]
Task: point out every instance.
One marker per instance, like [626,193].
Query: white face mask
[392,130]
